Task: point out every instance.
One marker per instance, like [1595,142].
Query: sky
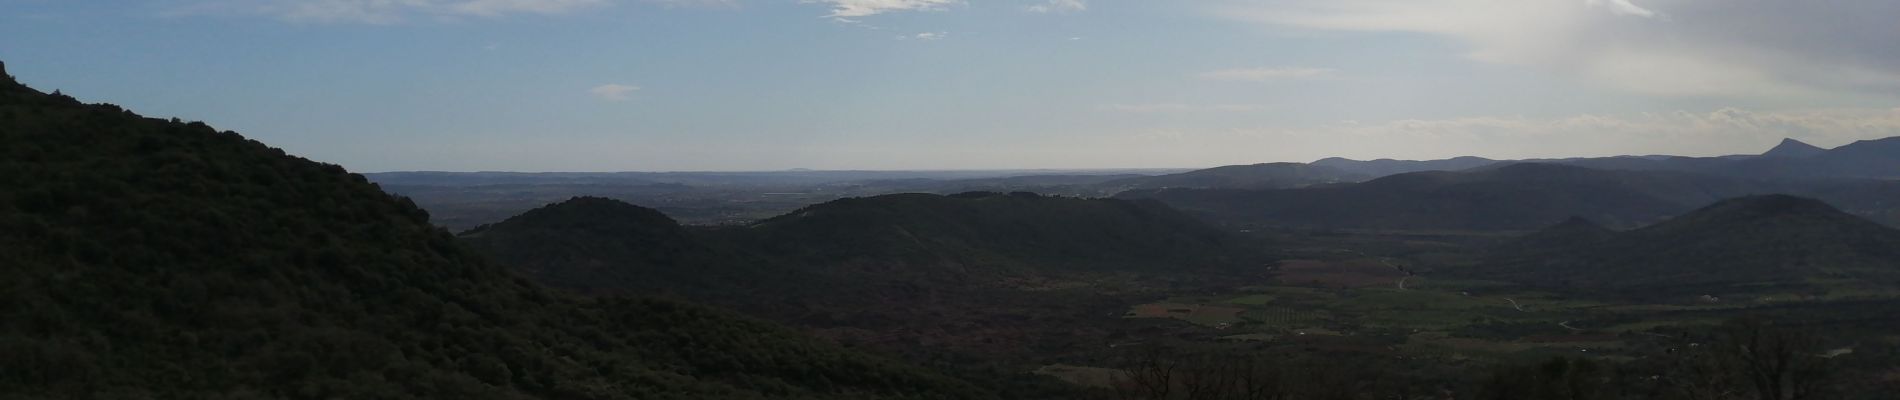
[706,85]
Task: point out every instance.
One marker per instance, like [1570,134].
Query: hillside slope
[1791,160]
[972,276]
[1791,148]
[1743,245]
[594,244]
[156,259]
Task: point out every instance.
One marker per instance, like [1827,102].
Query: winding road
[1388,262]
[1408,275]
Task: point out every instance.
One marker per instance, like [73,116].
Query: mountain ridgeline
[1256,176]
[917,274]
[1510,196]
[1388,167]
[159,259]
[591,243]
[1791,160]
[1516,196]
[594,244]
[1790,148]
[1772,244]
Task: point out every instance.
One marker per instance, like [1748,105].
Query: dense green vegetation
[595,244]
[159,259]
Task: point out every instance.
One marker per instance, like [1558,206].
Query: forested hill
[925,276]
[158,259]
[590,243]
[1772,243]
[595,245]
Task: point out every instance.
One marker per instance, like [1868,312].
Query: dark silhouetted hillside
[594,244]
[916,274]
[159,259]
[1790,148]
[1877,159]
[1790,161]
[1743,245]
[1256,176]
[1510,197]
[1388,167]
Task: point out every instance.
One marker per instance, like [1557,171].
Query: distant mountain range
[1387,167]
[1859,177]
[1515,196]
[1757,245]
[798,177]
[1256,176]
[1791,159]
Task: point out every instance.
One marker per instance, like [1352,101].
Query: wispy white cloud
[1622,7]
[845,9]
[379,11]
[1733,48]
[925,36]
[614,92]
[1266,74]
[489,8]
[1060,6]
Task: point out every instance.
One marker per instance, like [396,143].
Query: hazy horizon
[753,85]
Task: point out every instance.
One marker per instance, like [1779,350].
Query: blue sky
[606,85]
